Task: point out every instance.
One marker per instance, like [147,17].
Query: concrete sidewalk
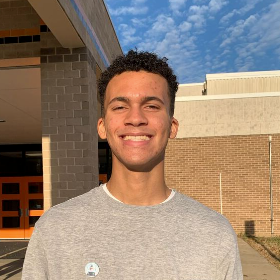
[255,267]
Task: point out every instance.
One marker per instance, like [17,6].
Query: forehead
[140,84]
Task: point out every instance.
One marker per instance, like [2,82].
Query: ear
[101,128]
[174,128]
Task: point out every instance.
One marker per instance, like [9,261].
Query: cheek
[163,125]
[111,125]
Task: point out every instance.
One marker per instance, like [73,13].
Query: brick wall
[193,167]
[68,96]
[19,30]
[69,120]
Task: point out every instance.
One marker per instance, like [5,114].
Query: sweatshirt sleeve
[35,265]
[229,263]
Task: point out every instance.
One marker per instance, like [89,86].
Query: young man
[134,227]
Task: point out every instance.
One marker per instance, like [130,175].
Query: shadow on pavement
[10,269]
[268,251]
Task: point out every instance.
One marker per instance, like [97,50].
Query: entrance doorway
[21,205]
[105,162]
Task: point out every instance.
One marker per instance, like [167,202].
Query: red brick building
[221,154]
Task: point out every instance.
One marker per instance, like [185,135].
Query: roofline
[256,74]
[191,85]
[112,24]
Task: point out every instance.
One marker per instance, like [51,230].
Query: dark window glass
[10,188]
[11,40]
[105,159]
[36,38]
[43,28]
[10,205]
[33,220]
[11,222]
[36,204]
[25,39]
[33,163]
[11,164]
[2,41]
[35,188]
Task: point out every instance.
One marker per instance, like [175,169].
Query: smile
[136,138]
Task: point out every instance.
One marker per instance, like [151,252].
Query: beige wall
[190,89]
[231,116]
[247,82]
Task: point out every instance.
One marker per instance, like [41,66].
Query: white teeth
[136,138]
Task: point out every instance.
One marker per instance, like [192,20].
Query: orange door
[34,203]
[21,204]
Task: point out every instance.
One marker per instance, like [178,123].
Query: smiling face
[137,123]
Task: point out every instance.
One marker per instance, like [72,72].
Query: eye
[152,107]
[118,108]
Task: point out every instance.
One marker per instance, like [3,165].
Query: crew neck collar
[105,189]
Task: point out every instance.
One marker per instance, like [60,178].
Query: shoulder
[70,210]
[202,216]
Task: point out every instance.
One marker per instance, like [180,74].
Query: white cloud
[244,65]
[162,25]
[198,15]
[278,51]
[228,16]
[136,7]
[167,39]
[198,10]
[177,5]
[225,52]
[129,10]
[216,64]
[185,26]
[216,5]
[254,37]
[137,2]
[235,31]
[242,11]
[207,57]
[249,6]
[128,34]
[200,1]
[139,22]
[268,26]
[197,20]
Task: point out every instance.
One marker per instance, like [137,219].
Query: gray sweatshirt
[95,236]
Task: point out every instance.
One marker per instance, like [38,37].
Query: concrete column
[69,104]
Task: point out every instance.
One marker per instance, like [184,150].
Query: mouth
[136,137]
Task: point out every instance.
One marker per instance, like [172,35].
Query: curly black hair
[137,61]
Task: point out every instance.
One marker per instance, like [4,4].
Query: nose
[135,117]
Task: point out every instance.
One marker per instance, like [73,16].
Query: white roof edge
[226,96]
[190,85]
[221,76]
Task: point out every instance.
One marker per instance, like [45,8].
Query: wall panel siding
[243,85]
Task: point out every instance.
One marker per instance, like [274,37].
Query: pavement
[255,267]
[11,258]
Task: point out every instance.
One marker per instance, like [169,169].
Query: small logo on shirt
[91,269]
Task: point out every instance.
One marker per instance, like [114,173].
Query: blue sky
[202,36]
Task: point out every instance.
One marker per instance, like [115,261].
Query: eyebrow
[119,98]
[144,99]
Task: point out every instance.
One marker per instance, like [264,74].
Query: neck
[138,188]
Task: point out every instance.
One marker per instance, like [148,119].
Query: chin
[139,168]
[142,165]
